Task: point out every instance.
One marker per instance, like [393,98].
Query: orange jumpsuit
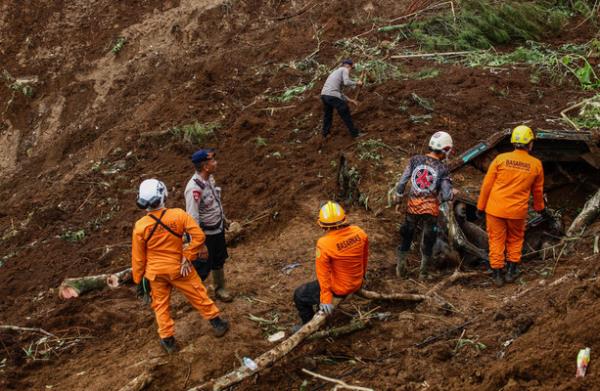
[341,261]
[504,195]
[159,260]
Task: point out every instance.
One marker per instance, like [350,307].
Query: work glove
[326,308]
[186,267]
[143,291]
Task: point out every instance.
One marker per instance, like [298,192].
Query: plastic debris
[250,364]
[583,360]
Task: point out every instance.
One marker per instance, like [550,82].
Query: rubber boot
[219,281]
[220,326]
[401,271]
[513,272]
[497,277]
[169,344]
[424,269]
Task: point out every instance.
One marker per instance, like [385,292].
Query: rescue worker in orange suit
[504,196]
[157,254]
[341,263]
[429,184]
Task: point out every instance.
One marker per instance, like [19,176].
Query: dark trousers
[429,232]
[330,103]
[306,296]
[217,254]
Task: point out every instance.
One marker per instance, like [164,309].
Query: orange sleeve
[365,255]
[486,187]
[323,266]
[138,253]
[197,237]
[538,190]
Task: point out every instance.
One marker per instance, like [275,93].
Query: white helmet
[152,195]
[441,142]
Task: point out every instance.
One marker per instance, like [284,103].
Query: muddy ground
[74,153]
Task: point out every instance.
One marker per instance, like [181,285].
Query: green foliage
[557,63]
[378,71]
[354,46]
[370,149]
[24,88]
[118,45]
[73,236]
[196,132]
[293,92]
[427,73]
[483,24]
[261,142]
[589,114]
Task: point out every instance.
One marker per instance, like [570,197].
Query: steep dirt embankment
[73,151]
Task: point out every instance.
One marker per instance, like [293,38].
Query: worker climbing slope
[333,97]
[430,184]
[157,254]
[341,263]
[510,180]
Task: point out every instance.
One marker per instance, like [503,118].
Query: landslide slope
[111,80]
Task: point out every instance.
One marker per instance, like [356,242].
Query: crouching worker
[341,263]
[429,184]
[504,197]
[157,254]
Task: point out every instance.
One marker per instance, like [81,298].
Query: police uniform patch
[197,194]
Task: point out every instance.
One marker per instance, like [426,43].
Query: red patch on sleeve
[197,195]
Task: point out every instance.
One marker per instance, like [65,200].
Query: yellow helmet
[522,135]
[331,215]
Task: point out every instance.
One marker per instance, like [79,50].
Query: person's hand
[359,83]
[186,267]
[203,253]
[480,214]
[354,102]
[226,224]
[326,308]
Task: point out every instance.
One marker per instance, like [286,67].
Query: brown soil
[74,154]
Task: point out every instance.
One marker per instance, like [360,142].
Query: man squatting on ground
[203,202]
[429,179]
[333,98]
[341,263]
[504,196]
[157,253]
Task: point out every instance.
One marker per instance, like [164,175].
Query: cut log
[119,278]
[74,287]
[268,358]
[391,296]
[589,213]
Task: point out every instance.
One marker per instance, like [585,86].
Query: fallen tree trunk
[74,287]
[391,296]
[119,278]
[268,358]
[589,213]
[349,328]
[139,382]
